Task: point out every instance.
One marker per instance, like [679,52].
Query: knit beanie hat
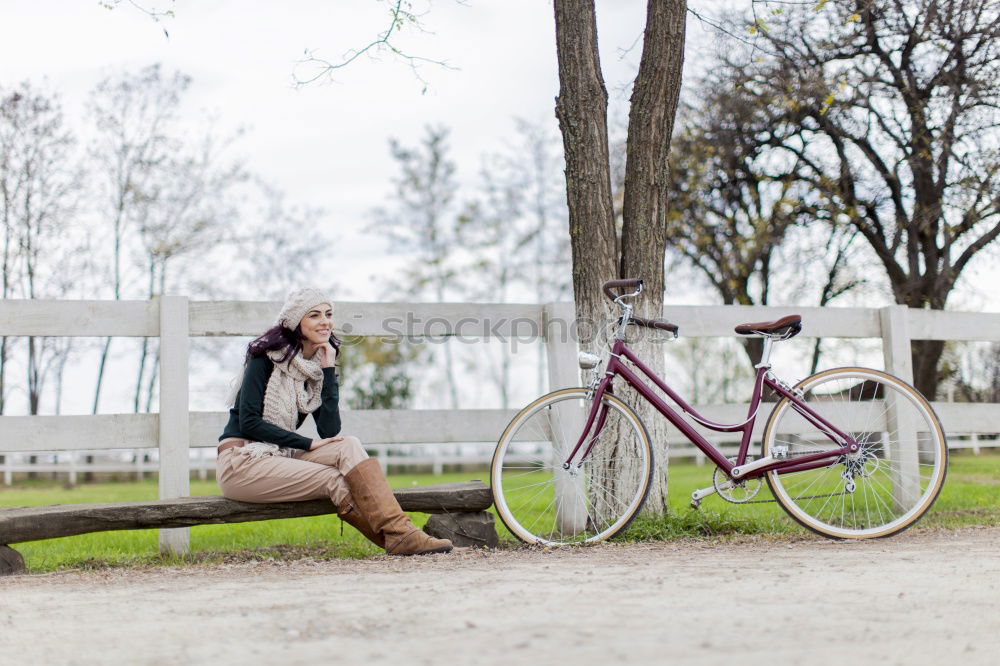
[298,303]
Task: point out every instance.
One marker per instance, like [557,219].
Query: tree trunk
[3,371]
[581,108]
[100,374]
[60,375]
[143,354]
[926,356]
[32,395]
[651,121]
[151,386]
[88,460]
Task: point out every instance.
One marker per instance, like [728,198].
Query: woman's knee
[352,443]
[343,454]
[352,452]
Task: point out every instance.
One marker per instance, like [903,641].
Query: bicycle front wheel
[540,501]
[883,488]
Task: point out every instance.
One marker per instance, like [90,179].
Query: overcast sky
[325,144]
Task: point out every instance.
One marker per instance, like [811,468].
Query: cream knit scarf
[294,387]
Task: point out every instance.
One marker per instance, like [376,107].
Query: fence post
[896,342]
[560,346]
[174,420]
[905,465]
[564,372]
[72,468]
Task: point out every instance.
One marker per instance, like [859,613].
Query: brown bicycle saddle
[785,327]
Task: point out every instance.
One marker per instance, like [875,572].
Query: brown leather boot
[374,499]
[351,515]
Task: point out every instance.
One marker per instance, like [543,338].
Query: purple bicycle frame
[616,367]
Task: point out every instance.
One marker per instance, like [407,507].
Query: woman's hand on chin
[326,355]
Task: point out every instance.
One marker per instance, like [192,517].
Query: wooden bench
[458,513]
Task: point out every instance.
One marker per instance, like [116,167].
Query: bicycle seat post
[765,356]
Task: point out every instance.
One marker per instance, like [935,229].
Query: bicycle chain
[804,453]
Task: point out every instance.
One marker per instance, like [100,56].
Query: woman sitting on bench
[289,372]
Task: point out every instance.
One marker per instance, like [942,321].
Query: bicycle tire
[900,468]
[605,492]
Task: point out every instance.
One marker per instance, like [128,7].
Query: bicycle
[847,453]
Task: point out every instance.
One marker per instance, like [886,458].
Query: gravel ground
[923,597]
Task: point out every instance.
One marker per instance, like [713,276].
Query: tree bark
[926,356]
[655,94]
[651,122]
[582,110]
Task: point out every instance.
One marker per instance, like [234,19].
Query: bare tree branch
[401,14]
[152,12]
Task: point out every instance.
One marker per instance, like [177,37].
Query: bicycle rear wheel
[881,489]
[541,502]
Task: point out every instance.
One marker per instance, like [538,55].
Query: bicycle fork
[578,460]
[598,408]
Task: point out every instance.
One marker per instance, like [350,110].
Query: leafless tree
[135,116]
[891,108]
[39,183]
[740,216]
[421,224]
[491,231]
[277,242]
[977,374]
[514,232]
[533,166]
[11,185]
[191,207]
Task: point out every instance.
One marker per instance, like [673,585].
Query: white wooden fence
[176,430]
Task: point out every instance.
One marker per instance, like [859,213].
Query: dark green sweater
[246,418]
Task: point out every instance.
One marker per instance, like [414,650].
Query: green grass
[971,496]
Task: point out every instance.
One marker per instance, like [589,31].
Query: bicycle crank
[738,491]
[743,491]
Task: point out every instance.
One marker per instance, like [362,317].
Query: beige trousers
[308,475]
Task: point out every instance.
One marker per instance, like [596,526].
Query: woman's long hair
[276,337]
[279,337]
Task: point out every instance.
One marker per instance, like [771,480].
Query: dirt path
[919,598]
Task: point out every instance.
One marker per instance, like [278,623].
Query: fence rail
[176,431]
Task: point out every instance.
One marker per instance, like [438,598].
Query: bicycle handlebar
[656,323]
[630,283]
[620,284]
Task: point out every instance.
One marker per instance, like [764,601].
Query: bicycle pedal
[695,504]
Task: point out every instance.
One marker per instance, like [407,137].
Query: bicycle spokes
[541,499]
